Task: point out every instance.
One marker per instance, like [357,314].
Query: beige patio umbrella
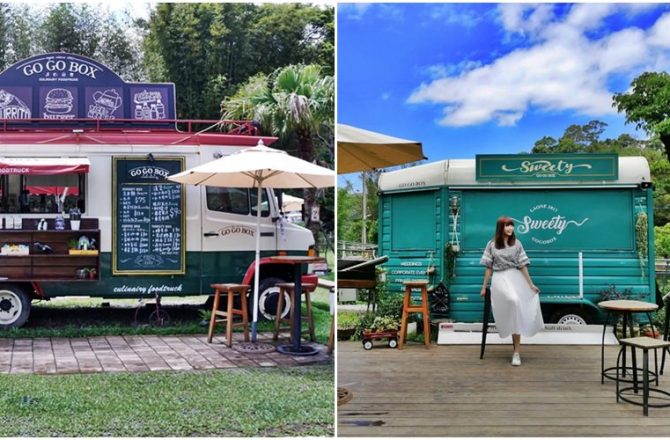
[363,150]
[258,167]
[291,203]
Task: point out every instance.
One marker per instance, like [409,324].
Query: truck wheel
[571,316]
[14,306]
[367,344]
[393,342]
[267,299]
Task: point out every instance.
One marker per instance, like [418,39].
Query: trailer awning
[44,165]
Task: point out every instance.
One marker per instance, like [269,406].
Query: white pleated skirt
[516,307]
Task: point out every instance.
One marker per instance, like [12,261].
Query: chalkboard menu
[148,217]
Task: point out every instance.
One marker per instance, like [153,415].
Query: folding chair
[485,321]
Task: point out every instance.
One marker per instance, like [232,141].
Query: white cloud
[437,71]
[660,32]
[563,71]
[354,11]
[386,96]
[454,14]
[525,18]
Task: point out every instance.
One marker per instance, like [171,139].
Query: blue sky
[467,79]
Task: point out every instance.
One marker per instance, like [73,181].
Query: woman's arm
[524,271]
[487,275]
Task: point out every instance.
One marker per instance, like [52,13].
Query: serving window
[42,185]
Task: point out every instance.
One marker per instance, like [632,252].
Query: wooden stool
[229,315]
[408,307]
[644,343]
[290,289]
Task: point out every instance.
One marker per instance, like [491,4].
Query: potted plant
[383,327]
[347,322]
[75,219]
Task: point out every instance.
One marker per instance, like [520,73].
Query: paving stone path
[140,353]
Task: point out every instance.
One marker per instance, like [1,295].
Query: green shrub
[346,319]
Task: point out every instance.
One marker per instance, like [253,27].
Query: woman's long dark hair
[499,239]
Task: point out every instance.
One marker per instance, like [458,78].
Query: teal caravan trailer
[585,220]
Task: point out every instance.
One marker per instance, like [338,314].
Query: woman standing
[514,297]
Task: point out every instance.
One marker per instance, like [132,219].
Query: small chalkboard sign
[148,217]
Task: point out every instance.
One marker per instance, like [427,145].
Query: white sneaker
[516,359]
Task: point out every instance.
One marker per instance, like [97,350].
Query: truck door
[229,232]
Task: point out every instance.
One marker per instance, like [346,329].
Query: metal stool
[290,289]
[408,308]
[625,308]
[645,343]
[228,315]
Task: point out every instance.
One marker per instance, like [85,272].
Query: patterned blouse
[502,259]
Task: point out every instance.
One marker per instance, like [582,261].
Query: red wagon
[391,335]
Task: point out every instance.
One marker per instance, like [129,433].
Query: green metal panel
[547,167]
[551,220]
[609,253]
[202,270]
[414,212]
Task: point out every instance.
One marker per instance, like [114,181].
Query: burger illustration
[58,101]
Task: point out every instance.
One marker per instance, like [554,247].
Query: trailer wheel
[267,299]
[367,344]
[571,316]
[14,306]
[393,343]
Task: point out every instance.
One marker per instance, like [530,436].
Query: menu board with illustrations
[58,87]
[148,217]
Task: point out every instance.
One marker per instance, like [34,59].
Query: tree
[209,49]
[75,28]
[648,105]
[17,25]
[586,139]
[292,103]
[349,216]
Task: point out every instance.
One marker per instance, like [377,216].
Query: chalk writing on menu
[149,218]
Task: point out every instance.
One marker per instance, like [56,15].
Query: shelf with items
[52,255]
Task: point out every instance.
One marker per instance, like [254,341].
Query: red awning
[44,165]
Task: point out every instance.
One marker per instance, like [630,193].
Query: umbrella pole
[257,273]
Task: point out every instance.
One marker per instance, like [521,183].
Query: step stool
[408,308]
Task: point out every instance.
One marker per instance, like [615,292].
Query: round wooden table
[625,308]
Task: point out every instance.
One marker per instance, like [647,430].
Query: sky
[467,79]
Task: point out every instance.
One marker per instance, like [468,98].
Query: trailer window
[42,193]
[241,201]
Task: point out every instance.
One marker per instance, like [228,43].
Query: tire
[367,344]
[393,343]
[267,300]
[159,318]
[571,316]
[14,306]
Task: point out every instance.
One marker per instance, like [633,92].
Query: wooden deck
[448,391]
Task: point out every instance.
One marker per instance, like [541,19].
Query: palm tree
[293,103]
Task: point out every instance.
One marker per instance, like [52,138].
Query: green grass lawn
[237,402]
